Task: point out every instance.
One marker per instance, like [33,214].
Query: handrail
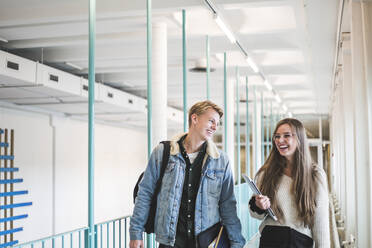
[111,234]
[113,220]
[70,232]
[51,237]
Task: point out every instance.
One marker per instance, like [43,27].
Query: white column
[230,98]
[367,33]
[361,123]
[320,146]
[159,81]
[341,151]
[348,138]
[256,133]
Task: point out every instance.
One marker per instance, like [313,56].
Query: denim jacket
[215,200]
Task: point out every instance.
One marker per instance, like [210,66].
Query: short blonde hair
[200,108]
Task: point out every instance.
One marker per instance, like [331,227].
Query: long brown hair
[304,174]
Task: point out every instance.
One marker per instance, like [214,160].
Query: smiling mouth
[283,147]
[210,132]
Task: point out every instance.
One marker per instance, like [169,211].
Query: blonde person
[296,190]
[197,188]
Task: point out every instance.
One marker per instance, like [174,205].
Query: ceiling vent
[201,66]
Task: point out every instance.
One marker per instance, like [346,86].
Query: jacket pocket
[213,183]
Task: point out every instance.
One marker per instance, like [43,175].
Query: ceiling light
[268,85]
[74,66]
[252,64]
[277,98]
[126,85]
[284,108]
[3,40]
[219,57]
[290,114]
[177,16]
[225,29]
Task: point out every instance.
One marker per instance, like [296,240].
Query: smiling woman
[295,188]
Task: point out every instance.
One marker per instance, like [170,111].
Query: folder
[256,191]
[214,237]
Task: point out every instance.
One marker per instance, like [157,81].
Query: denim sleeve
[144,195]
[228,211]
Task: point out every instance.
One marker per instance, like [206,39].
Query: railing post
[90,237]
[184,70]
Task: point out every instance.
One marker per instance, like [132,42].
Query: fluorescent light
[268,85]
[3,40]
[252,64]
[74,66]
[225,29]
[219,57]
[277,98]
[290,114]
[285,108]
[177,16]
[126,85]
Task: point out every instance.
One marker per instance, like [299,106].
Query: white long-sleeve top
[285,199]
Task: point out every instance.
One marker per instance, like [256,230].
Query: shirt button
[189,200]
[190,185]
[189,231]
[189,216]
[190,169]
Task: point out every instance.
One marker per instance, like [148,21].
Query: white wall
[52,154]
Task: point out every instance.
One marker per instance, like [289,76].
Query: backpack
[149,226]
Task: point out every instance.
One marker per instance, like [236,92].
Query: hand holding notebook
[256,191]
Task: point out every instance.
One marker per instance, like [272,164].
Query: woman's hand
[262,201]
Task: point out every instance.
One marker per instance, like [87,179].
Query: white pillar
[256,133]
[340,151]
[367,34]
[320,146]
[348,138]
[360,34]
[159,81]
[230,98]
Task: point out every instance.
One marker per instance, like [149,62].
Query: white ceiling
[292,41]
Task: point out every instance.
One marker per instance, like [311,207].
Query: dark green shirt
[185,237]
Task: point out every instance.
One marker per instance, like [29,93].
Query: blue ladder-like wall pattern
[8,221]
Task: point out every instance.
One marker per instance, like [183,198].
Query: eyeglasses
[285,136]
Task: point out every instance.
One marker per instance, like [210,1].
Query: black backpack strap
[165,159]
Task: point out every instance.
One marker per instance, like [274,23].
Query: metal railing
[71,239]
[115,233]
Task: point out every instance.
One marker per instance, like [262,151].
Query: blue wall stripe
[11,231]
[18,180]
[7,157]
[23,192]
[9,243]
[17,217]
[2,144]
[16,205]
[2,169]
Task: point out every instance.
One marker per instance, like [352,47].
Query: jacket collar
[212,149]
